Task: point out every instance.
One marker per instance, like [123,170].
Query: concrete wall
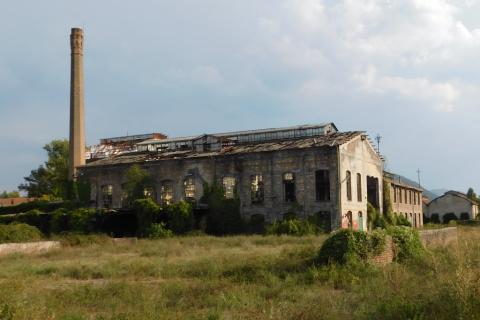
[29,247]
[439,237]
[449,203]
[358,157]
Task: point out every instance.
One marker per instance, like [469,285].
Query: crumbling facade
[314,168]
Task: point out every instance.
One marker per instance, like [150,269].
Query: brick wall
[386,257]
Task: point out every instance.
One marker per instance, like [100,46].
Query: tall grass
[241,277]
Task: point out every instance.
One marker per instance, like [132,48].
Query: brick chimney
[77,113]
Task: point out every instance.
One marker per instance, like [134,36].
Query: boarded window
[166,193]
[322,185]
[359,187]
[289,187]
[107,195]
[256,188]
[229,187]
[349,186]
[189,187]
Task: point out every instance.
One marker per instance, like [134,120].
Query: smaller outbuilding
[452,205]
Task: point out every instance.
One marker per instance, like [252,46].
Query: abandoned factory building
[316,167]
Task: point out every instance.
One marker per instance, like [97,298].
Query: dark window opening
[322,185]
[359,187]
[107,195]
[289,187]
[189,187]
[373,192]
[349,185]
[350,219]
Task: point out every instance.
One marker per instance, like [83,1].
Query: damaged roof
[330,140]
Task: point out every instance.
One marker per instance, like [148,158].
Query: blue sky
[406,69]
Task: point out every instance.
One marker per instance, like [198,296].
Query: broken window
[149,192]
[322,185]
[166,193]
[359,187]
[229,184]
[256,188]
[107,195]
[349,186]
[189,187]
[289,187]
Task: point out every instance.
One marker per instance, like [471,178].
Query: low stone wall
[438,237]
[28,247]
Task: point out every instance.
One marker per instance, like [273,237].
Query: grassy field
[242,277]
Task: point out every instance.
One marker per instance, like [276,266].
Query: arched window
[229,184]
[107,195]
[189,187]
[256,188]
[350,219]
[166,193]
[359,187]
[149,192]
[349,186]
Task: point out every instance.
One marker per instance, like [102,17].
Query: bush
[147,212]
[35,218]
[19,232]
[449,217]
[322,220]
[294,227]
[82,220]
[223,214]
[159,230]
[403,221]
[348,246]
[407,243]
[179,217]
[40,205]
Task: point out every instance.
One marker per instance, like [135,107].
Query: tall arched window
[359,187]
[166,192]
[189,187]
[349,186]
[289,187]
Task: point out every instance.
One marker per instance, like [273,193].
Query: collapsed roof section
[157,142]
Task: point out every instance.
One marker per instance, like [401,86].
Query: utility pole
[418,174]
[378,138]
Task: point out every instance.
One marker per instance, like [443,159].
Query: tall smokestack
[77,113]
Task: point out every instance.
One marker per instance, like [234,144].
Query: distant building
[322,171]
[6,202]
[452,202]
[406,199]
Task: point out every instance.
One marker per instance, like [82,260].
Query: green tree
[11,194]
[471,194]
[51,178]
[137,180]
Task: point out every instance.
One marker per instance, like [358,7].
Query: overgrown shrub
[82,220]
[346,246]
[223,214]
[19,232]
[147,212]
[294,227]
[407,243]
[159,230]
[322,220]
[403,221]
[40,205]
[179,217]
[35,218]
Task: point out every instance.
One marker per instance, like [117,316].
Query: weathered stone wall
[439,237]
[29,247]
[271,165]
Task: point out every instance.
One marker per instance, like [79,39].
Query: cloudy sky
[405,69]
